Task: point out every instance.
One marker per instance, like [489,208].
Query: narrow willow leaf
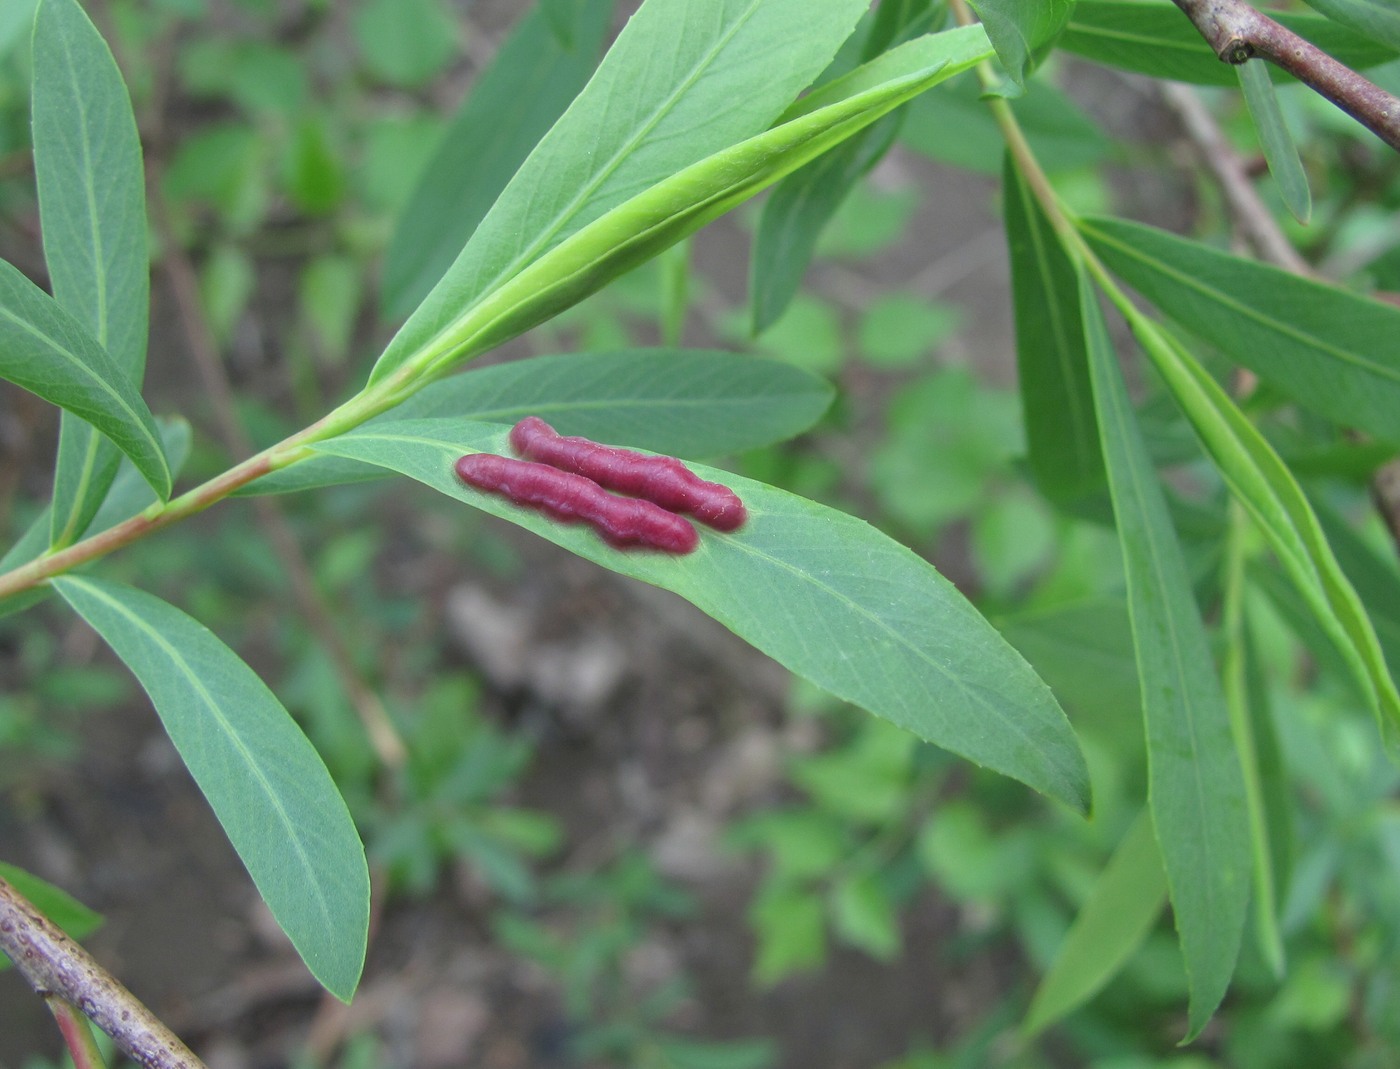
[47,351]
[1373,576]
[802,204]
[1195,786]
[1327,349]
[662,100]
[678,206]
[92,208]
[1021,31]
[688,403]
[1376,19]
[1125,903]
[537,71]
[796,213]
[1262,483]
[1279,149]
[825,594]
[263,779]
[1053,370]
[1156,39]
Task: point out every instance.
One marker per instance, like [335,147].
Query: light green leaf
[536,72]
[1125,903]
[263,779]
[1330,350]
[823,593]
[556,234]
[1156,39]
[686,402]
[47,351]
[92,209]
[1022,30]
[1377,19]
[863,916]
[405,42]
[1057,401]
[1275,139]
[1265,487]
[1195,786]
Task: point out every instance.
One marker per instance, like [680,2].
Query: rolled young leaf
[662,99]
[48,352]
[1195,785]
[825,594]
[265,782]
[92,210]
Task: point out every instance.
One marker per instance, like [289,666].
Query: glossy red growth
[662,480]
[622,522]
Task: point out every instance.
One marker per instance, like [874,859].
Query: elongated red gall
[664,481]
[622,522]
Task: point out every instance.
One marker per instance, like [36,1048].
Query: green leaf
[536,72]
[1376,19]
[791,934]
[1374,577]
[1022,31]
[804,202]
[92,209]
[47,351]
[53,902]
[1327,349]
[405,42]
[1275,139]
[686,402]
[823,593]
[1062,434]
[1126,901]
[663,99]
[863,916]
[1156,39]
[1265,487]
[264,780]
[1195,786]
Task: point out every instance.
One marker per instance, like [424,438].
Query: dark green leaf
[1057,400]
[662,100]
[686,402]
[263,779]
[92,208]
[1195,786]
[47,351]
[824,594]
[1328,349]
[1275,139]
[798,209]
[1158,40]
[536,73]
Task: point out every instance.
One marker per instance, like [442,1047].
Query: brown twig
[383,736]
[1237,32]
[57,967]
